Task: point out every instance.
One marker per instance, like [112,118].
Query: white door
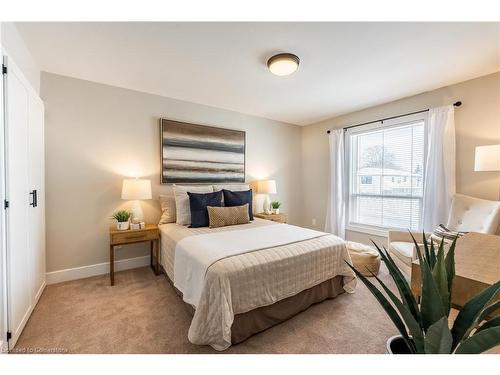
[17,192]
[37,204]
[3,280]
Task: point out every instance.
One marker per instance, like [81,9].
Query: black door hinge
[5,204]
[4,69]
[9,335]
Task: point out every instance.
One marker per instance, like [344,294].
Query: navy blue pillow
[198,204]
[238,198]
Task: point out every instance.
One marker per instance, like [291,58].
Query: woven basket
[364,258]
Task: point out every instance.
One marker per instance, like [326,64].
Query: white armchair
[467,214]
[402,248]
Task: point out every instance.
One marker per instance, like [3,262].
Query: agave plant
[424,326]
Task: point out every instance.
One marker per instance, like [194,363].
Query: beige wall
[97,134]
[477,122]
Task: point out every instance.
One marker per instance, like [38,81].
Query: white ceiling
[344,66]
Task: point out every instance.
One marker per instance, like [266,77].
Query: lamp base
[136,211]
[266,205]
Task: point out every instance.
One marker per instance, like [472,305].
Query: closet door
[3,257]
[37,195]
[17,191]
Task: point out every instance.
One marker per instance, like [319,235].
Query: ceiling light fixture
[283,64]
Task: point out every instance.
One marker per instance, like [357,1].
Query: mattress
[244,282]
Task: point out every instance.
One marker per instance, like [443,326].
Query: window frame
[377,230]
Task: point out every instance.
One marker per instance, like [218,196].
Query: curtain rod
[456,104]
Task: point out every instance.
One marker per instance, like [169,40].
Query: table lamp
[266,187]
[487,158]
[136,189]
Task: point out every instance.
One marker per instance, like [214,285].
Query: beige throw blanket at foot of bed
[251,268]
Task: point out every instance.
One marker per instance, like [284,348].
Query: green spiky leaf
[488,310]
[411,323]
[389,309]
[480,342]
[495,322]
[426,245]
[432,255]
[449,262]
[402,284]
[441,279]
[438,339]
[431,308]
[467,317]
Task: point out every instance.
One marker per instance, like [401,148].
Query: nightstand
[149,234]
[279,218]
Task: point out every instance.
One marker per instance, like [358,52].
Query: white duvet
[195,254]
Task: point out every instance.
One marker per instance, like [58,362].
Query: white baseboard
[95,270]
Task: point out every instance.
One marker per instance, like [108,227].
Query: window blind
[386,167]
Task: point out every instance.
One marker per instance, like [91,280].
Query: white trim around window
[407,170]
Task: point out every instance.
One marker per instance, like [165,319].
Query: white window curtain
[439,181]
[335,215]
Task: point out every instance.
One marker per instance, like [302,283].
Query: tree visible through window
[386,167]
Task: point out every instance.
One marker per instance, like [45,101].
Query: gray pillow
[231,187]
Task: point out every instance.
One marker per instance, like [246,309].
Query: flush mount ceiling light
[283,64]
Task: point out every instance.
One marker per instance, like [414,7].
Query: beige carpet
[142,314]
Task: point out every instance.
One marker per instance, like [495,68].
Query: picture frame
[201,154]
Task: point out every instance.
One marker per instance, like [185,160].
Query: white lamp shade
[266,187]
[487,158]
[136,189]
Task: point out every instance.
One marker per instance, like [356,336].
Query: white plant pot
[396,345]
[122,225]
[276,211]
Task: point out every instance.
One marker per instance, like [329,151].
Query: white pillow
[182,210]
[167,205]
[232,187]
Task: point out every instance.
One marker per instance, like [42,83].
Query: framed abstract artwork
[192,153]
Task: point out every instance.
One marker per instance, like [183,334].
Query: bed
[248,292]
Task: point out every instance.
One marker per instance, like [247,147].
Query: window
[366,180]
[386,169]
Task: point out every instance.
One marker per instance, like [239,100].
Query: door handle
[34,201]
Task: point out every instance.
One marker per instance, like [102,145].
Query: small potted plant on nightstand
[276,207]
[122,218]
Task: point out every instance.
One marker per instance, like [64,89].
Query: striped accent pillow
[443,233]
[224,216]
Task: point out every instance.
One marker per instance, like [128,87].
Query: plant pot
[397,345]
[122,225]
[276,211]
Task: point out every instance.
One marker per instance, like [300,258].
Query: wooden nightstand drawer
[132,236]
[278,219]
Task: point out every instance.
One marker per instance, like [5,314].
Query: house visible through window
[366,179]
[386,169]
